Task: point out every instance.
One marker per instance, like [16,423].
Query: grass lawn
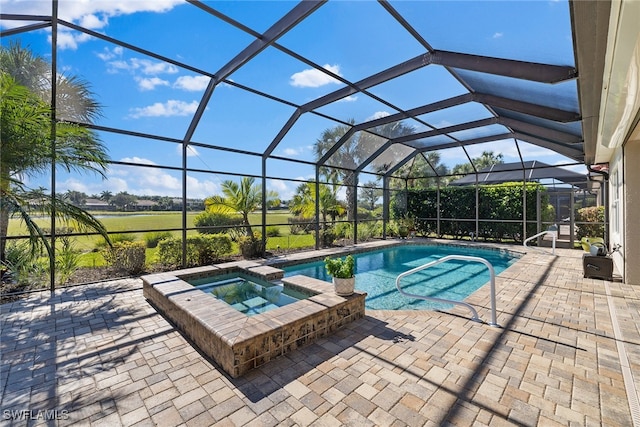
[122,222]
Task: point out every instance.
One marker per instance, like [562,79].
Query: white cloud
[146,181]
[137,65]
[285,189]
[93,22]
[143,181]
[315,78]
[68,40]
[377,115]
[73,185]
[170,108]
[139,160]
[201,189]
[93,14]
[109,54]
[192,83]
[150,83]
[150,67]
[292,151]
[497,35]
[350,98]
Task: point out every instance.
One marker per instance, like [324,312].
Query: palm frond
[18,206]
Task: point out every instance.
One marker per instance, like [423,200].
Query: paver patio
[567,352]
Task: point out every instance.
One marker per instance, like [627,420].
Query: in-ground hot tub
[239,342]
[249,294]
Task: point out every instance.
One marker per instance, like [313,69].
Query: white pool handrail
[474,313]
[554,235]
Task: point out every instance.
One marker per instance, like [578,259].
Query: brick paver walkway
[101,355]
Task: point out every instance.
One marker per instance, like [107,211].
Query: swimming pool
[376,273]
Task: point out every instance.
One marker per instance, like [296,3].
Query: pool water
[247,294]
[376,273]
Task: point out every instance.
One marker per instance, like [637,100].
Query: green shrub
[251,246]
[343,230]
[201,250]
[299,225]
[496,204]
[122,237]
[595,215]
[368,230]
[22,267]
[392,229]
[273,231]
[119,237]
[365,214]
[327,237]
[215,223]
[67,259]
[154,237]
[127,256]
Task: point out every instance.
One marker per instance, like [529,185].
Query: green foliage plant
[67,259]
[343,230]
[123,237]
[219,222]
[273,231]
[241,198]
[457,208]
[368,230]
[152,238]
[342,268]
[201,250]
[127,256]
[327,236]
[251,246]
[21,268]
[29,147]
[300,224]
[594,217]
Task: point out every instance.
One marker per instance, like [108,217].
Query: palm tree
[369,195]
[78,198]
[303,202]
[421,171]
[106,196]
[353,152]
[347,157]
[28,148]
[242,198]
[74,100]
[485,160]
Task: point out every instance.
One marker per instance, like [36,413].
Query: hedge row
[496,204]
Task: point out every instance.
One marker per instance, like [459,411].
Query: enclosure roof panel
[514,172]
[453,74]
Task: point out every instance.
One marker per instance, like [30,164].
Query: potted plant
[406,226]
[342,270]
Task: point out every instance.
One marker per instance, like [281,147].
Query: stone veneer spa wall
[235,341]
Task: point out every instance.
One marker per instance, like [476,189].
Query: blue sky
[352,39]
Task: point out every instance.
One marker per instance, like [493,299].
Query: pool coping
[237,342]
[301,257]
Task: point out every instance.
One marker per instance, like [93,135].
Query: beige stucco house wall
[618,140]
